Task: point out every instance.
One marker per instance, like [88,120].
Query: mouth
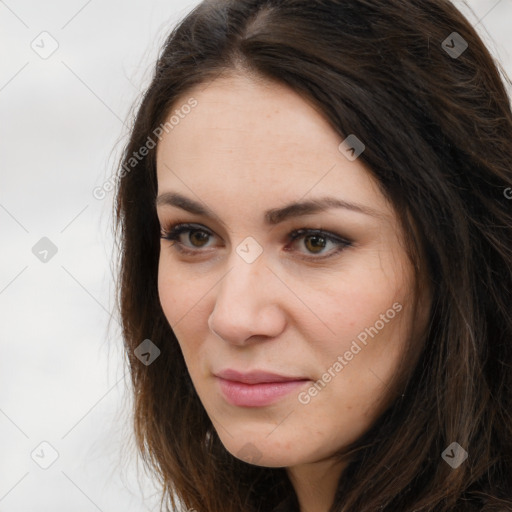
[256,388]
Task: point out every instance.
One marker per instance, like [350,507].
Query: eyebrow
[273,216]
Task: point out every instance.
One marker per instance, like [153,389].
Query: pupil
[317,240]
[200,236]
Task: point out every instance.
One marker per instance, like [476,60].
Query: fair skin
[249,147]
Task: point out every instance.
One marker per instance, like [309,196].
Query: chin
[262,451]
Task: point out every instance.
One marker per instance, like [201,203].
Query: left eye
[315,240]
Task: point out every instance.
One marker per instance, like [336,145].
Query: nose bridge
[240,289]
[245,303]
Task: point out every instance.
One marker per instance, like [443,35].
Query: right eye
[196,235]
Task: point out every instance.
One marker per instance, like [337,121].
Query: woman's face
[293,266]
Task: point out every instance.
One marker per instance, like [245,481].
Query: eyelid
[174,231]
[297,233]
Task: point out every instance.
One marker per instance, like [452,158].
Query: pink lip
[256,388]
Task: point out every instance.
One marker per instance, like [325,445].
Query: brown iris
[315,243]
[198,236]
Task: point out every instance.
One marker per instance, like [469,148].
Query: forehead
[238,115]
[260,136]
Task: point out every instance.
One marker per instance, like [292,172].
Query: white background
[62,128]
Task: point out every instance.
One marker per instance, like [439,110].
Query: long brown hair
[438,132]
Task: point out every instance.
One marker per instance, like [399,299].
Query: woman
[316,261]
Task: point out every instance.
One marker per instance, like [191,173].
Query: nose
[247,305]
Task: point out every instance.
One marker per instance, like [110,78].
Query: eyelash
[173,233]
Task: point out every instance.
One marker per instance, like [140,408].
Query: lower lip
[256,395]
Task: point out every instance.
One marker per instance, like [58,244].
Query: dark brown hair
[438,136]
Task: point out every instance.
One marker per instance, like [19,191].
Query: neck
[315,484]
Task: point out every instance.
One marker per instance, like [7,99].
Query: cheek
[184,301]
[367,310]
[359,303]
[177,289]
[176,299]
[167,292]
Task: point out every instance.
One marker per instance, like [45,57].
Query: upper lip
[255,376]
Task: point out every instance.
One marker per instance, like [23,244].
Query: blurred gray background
[70,73]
